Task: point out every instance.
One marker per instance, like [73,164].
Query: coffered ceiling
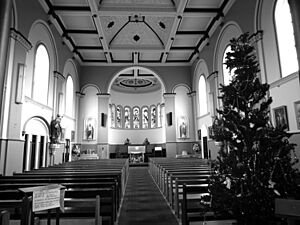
[136,32]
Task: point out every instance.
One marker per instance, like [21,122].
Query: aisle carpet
[143,203]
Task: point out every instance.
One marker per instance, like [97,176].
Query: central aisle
[143,203]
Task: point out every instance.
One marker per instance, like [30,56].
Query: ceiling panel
[186,40]
[179,55]
[70,2]
[204,3]
[161,31]
[148,56]
[86,40]
[124,55]
[194,23]
[92,54]
[78,22]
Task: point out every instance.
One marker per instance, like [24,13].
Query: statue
[55,130]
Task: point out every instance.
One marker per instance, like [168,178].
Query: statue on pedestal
[55,130]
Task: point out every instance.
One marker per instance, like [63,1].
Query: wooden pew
[17,209]
[192,208]
[80,177]
[4,217]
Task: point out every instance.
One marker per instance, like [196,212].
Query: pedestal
[53,148]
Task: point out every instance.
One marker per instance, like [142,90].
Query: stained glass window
[145,117]
[119,117]
[127,117]
[153,116]
[136,117]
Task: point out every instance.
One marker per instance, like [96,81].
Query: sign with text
[46,197]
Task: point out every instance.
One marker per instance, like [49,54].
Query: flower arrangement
[196,147]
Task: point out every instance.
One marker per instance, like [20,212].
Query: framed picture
[72,135]
[183,127]
[199,135]
[63,134]
[297,111]
[280,117]
[89,129]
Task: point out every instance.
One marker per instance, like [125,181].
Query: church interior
[128,93]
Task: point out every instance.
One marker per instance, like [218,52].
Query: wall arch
[85,87]
[230,30]
[136,67]
[40,33]
[37,125]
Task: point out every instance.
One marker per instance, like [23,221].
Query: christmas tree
[255,162]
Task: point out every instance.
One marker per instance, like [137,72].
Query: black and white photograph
[149,112]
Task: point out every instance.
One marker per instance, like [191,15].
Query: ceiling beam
[94,9]
[176,23]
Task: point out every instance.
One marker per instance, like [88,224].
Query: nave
[109,192]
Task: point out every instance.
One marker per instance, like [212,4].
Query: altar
[136,153]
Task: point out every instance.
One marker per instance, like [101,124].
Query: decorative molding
[214,74]
[58,74]
[169,94]
[20,38]
[284,80]
[79,94]
[192,94]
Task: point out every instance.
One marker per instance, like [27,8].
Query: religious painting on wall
[153,116]
[63,134]
[89,128]
[182,127]
[297,111]
[113,120]
[280,115]
[136,117]
[118,116]
[72,135]
[145,118]
[127,117]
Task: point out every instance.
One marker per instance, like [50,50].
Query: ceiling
[136,32]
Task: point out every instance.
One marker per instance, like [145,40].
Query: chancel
[150,112]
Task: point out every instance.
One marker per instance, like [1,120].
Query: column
[103,110]
[171,145]
[79,95]
[295,11]
[37,152]
[27,153]
[194,122]
[55,103]
[5,16]
[44,150]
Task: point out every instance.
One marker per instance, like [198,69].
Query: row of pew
[93,190]
[184,183]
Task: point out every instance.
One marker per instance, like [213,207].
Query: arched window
[113,116]
[41,74]
[145,117]
[69,96]
[202,95]
[119,116]
[153,116]
[285,38]
[136,117]
[226,73]
[127,117]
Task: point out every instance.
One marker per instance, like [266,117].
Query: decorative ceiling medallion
[162,25]
[135,83]
[110,24]
[136,38]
